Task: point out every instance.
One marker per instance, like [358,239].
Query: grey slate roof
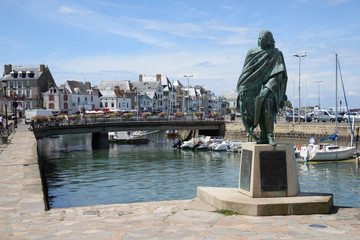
[110,85]
[24,69]
[76,87]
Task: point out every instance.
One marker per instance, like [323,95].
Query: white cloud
[66,10]
[351,93]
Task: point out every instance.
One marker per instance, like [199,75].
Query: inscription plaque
[245,169]
[273,171]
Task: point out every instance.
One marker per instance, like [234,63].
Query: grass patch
[226,212]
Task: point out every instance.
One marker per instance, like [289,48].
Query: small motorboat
[188,145]
[223,146]
[235,147]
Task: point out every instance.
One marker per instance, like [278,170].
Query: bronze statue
[261,88]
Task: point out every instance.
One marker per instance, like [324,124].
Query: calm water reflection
[78,176]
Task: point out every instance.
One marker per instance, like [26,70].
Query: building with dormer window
[24,85]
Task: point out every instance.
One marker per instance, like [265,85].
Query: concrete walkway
[22,214]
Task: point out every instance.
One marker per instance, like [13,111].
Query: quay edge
[236,131]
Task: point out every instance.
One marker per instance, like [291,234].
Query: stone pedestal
[268,185]
[267,171]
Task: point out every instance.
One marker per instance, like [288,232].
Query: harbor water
[76,175]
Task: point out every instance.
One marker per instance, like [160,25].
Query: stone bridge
[100,128]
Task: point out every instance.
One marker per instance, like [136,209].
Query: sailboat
[330,152]
[326,151]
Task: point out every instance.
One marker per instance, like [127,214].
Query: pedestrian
[67,119]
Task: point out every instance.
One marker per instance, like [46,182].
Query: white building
[151,91]
[167,96]
[116,95]
[115,100]
[231,99]
[71,97]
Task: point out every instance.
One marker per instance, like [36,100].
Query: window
[20,84]
[106,104]
[28,105]
[65,97]
[78,99]
[92,99]
[51,105]
[28,93]
[101,105]
[11,84]
[112,104]
[85,99]
[22,74]
[28,83]
[66,106]
[51,97]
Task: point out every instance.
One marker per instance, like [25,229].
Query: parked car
[325,115]
[290,117]
[354,116]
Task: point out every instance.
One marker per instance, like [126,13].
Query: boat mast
[336,93]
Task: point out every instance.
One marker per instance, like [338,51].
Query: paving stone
[22,214]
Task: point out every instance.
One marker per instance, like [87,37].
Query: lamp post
[318,82]
[188,103]
[300,56]
[137,101]
[171,99]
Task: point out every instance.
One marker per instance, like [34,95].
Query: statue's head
[266,40]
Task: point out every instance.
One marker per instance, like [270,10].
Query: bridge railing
[82,121]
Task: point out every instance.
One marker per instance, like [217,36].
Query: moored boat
[235,147]
[171,133]
[330,152]
[325,152]
[223,146]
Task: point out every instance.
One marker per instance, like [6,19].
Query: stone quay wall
[236,131]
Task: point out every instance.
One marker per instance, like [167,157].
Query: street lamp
[300,56]
[188,76]
[318,82]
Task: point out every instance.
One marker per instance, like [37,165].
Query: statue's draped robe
[262,68]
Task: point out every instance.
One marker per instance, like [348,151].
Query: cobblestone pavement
[22,214]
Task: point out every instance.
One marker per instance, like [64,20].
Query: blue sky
[97,40]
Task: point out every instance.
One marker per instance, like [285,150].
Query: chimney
[140,77]
[158,77]
[42,67]
[88,85]
[7,69]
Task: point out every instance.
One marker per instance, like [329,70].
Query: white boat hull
[333,155]
[221,147]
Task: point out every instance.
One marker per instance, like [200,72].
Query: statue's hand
[265,91]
